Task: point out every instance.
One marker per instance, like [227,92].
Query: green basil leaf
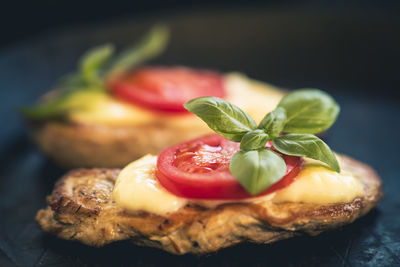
[222,117]
[51,109]
[90,76]
[254,140]
[60,102]
[274,122]
[150,46]
[306,145]
[92,62]
[256,170]
[309,111]
[71,82]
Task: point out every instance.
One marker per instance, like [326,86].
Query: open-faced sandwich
[113,110]
[258,183]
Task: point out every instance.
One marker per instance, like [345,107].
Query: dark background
[21,19]
[351,49]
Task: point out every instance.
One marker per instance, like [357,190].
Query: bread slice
[81,208]
[78,144]
[73,145]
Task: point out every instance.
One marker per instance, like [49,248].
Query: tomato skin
[218,183]
[167,89]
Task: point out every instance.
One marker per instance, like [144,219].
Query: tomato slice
[200,169]
[167,89]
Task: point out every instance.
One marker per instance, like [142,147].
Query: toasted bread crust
[81,208]
[73,145]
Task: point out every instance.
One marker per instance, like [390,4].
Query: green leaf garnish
[309,111]
[95,68]
[256,170]
[274,122]
[93,61]
[254,140]
[299,113]
[306,145]
[153,44]
[59,107]
[50,109]
[224,118]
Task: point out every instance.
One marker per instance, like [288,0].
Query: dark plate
[352,55]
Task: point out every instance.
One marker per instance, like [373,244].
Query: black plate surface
[354,56]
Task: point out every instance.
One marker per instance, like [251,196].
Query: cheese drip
[137,188]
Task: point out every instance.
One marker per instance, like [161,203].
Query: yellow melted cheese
[138,189]
[317,184]
[254,97]
[91,107]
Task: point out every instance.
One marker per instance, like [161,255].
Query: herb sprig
[290,126]
[96,67]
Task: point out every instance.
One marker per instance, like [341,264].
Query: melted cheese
[137,189]
[318,184]
[99,108]
[96,108]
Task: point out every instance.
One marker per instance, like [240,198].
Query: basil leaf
[274,122]
[306,145]
[256,170]
[71,82]
[222,117]
[51,109]
[59,103]
[92,62]
[309,111]
[254,140]
[149,47]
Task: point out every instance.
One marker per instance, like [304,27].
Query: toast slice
[81,208]
[72,144]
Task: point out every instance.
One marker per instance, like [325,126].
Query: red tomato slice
[167,89]
[200,169]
